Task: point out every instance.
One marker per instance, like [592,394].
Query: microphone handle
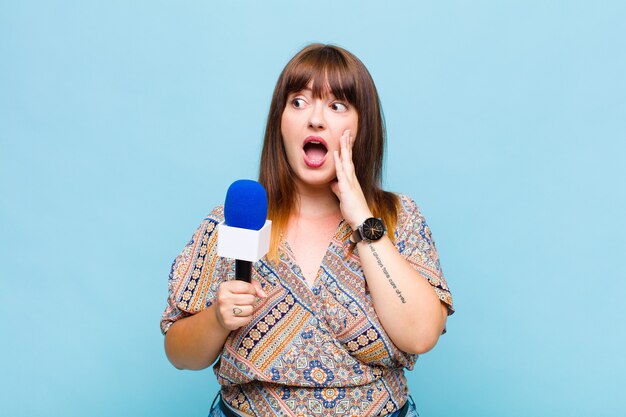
[243,270]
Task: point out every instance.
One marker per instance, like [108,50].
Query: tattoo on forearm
[387,275]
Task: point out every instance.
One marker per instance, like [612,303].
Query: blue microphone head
[246,205]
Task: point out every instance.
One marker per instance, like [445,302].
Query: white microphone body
[243,244]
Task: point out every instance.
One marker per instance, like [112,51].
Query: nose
[316,117]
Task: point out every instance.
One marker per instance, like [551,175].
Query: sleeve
[196,273]
[415,243]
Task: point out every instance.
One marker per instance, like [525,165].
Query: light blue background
[122,124]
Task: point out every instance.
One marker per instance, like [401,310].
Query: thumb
[259,290]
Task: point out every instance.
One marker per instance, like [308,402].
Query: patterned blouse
[317,350]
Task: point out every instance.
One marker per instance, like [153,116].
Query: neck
[317,203]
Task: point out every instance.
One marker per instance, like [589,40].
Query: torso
[304,338]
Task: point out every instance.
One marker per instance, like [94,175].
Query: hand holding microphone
[235,302]
[244,235]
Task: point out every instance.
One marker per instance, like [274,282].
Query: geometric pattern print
[191,281]
[316,350]
[411,412]
[416,244]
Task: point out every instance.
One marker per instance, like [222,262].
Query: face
[311,129]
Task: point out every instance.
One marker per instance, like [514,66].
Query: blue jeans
[412,412]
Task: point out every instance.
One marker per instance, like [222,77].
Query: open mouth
[315,151]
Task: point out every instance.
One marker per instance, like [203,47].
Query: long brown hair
[327,67]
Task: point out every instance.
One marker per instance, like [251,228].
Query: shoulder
[407,209]
[406,204]
[410,219]
[216,215]
[204,231]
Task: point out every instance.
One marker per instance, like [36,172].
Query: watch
[371,230]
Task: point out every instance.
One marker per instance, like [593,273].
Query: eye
[298,103]
[339,107]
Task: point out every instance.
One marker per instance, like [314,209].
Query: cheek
[355,123]
[289,144]
[283,124]
[288,126]
[350,122]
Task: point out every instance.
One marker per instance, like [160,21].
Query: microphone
[245,232]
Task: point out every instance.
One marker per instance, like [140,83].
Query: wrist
[354,224]
[370,230]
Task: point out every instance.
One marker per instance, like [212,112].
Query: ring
[237,311]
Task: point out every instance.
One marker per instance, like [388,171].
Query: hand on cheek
[347,188]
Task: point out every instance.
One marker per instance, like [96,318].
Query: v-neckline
[294,262]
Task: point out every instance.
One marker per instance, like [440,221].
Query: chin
[316,181]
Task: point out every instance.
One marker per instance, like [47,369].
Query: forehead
[326,92]
[323,87]
[325,71]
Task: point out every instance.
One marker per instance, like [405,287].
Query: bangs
[327,70]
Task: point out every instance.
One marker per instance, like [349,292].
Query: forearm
[405,302]
[196,341]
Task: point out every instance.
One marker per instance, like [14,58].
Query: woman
[351,291]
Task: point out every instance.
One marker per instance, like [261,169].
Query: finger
[352,141]
[338,167]
[259,289]
[235,317]
[239,287]
[343,142]
[236,292]
[243,299]
[241,311]
[346,158]
[349,143]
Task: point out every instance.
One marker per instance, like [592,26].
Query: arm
[196,341]
[405,302]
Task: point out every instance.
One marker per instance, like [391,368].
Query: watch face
[373,229]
